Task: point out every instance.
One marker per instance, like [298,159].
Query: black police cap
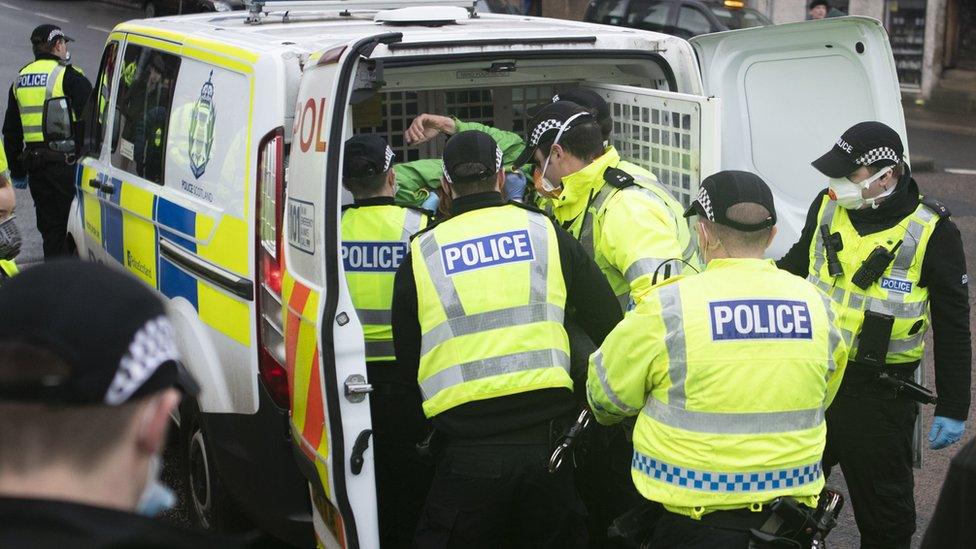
[720,191]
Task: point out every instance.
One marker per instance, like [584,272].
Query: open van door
[324,345]
[788,92]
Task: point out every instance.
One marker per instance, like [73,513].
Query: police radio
[832,243]
[874,266]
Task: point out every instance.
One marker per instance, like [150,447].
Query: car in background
[684,18]
[157,8]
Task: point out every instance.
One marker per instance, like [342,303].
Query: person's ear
[391,178]
[155,421]
[500,181]
[446,187]
[772,235]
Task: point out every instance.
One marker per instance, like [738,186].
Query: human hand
[515,183]
[428,126]
[431,203]
[945,432]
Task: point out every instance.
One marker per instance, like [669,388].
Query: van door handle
[95,184]
[356,460]
[108,188]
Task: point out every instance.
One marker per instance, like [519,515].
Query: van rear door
[788,92]
[324,346]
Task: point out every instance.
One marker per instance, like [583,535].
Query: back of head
[567,124]
[737,211]
[472,163]
[82,348]
[367,160]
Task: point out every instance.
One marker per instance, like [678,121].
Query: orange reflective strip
[293,324]
[314,413]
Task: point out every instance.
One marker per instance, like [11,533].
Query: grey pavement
[89,24]
[950,141]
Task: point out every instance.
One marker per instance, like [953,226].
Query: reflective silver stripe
[601,374]
[646,266]
[376,349]
[494,366]
[375,316]
[733,423]
[897,310]
[52,80]
[689,252]
[586,231]
[446,291]
[906,253]
[896,346]
[624,301]
[33,129]
[833,338]
[675,343]
[819,253]
[459,323]
[411,224]
[31,110]
[489,320]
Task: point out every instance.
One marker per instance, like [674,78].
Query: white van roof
[310,31]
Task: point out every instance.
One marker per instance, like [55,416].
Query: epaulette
[936,206]
[525,206]
[618,178]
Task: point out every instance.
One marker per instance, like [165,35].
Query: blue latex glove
[19,182]
[431,203]
[945,432]
[515,186]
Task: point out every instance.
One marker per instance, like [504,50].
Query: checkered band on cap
[874,155]
[390,155]
[153,345]
[706,203]
[542,128]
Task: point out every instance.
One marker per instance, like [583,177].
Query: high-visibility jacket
[628,223]
[729,373]
[7,269]
[896,292]
[490,299]
[39,81]
[375,239]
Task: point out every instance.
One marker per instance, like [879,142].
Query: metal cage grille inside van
[658,130]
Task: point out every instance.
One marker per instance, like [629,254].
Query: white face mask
[848,194]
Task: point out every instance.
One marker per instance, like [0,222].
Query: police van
[212,172]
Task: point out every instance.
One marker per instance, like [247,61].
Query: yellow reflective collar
[578,186]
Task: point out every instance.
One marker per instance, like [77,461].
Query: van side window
[692,22]
[649,15]
[101,98]
[145,97]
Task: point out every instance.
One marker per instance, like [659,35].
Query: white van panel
[204,163]
[788,92]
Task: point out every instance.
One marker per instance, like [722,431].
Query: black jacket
[943,273]
[41,524]
[587,292]
[77,89]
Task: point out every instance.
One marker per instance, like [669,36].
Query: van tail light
[270,207]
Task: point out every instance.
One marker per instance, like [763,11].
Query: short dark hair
[738,242]
[363,187]
[584,141]
[816,3]
[463,171]
[37,434]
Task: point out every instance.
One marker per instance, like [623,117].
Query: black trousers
[402,476]
[870,437]
[604,479]
[678,531]
[52,188]
[498,496]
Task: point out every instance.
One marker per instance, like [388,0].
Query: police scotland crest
[202,119]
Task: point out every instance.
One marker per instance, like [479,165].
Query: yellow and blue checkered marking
[713,481]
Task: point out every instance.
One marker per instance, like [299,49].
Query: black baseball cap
[376,156]
[864,144]
[583,97]
[546,123]
[471,147]
[110,331]
[44,34]
[816,3]
[720,191]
